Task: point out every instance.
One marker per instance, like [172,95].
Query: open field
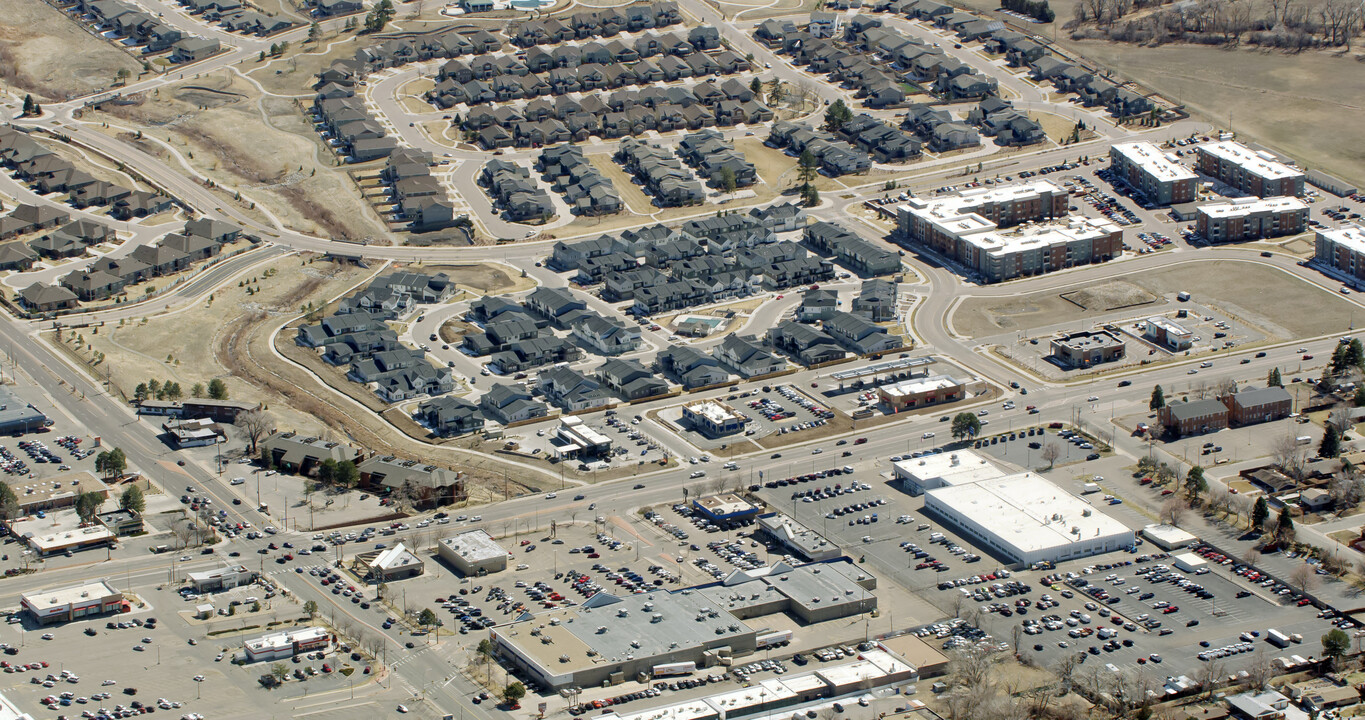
[632,195]
[298,70]
[1292,103]
[259,145]
[49,55]
[1269,299]
[179,336]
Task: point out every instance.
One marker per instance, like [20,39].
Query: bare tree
[1065,668]
[1251,556]
[1201,389]
[1242,507]
[1218,499]
[1346,491]
[1017,637]
[1290,456]
[1260,671]
[971,666]
[1173,510]
[1209,675]
[1340,418]
[183,529]
[255,424]
[1226,386]
[1051,452]
[1304,577]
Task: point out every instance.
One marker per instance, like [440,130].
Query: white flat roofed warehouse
[1026,518]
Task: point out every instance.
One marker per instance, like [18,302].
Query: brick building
[1148,169]
[1255,172]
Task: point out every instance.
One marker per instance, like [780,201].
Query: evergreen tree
[837,115]
[379,16]
[29,105]
[1260,512]
[1330,446]
[1158,400]
[1273,379]
[756,87]
[1195,484]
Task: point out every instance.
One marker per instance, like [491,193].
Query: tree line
[1287,24]
[1036,9]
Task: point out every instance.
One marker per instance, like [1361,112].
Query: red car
[1167,492]
[860,441]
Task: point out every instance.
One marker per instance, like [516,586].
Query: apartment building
[1342,249]
[1251,171]
[993,247]
[1152,171]
[1251,218]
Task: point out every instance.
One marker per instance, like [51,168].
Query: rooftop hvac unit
[635,643]
[648,607]
[672,645]
[1075,530]
[622,612]
[1085,512]
[658,617]
[601,629]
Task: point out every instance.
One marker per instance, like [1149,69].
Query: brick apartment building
[1342,249]
[1257,405]
[1247,170]
[1195,417]
[1147,168]
[1251,219]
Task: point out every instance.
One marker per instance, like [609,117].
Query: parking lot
[1025,447]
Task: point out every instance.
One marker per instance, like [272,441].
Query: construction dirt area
[257,147]
[46,54]
[1266,298]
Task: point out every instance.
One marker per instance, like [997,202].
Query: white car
[550,496]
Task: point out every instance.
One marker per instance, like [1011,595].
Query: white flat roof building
[1154,161]
[473,553]
[1168,537]
[70,603]
[1262,164]
[1039,236]
[929,472]
[918,386]
[1241,207]
[1026,518]
[1350,237]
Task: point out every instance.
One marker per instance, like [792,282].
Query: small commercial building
[1025,518]
[798,539]
[287,644]
[473,553]
[574,439]
[1168,537]
[921,392]
[713,419]
[193,433]
[725,508]
[1167,333]
[54,492]
[1188,562]
[388,564]
[121,522]
[929,472]
[18,415]
[1084,349]
[72,603]
[64,541]
[223,578]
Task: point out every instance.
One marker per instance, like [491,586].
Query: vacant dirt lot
[1272,300]
[47,54]
[257,144]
